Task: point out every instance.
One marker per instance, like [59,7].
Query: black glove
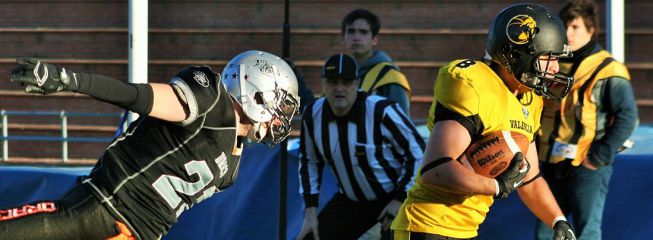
[513,177]
[44,78]
[562,231]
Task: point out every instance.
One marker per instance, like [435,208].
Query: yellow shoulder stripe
[383,74]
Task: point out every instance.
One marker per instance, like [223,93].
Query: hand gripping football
[491,155]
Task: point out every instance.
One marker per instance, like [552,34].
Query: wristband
[311,200]
[496,183]
[558,218]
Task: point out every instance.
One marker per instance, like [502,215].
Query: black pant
[78,215]
[343,219]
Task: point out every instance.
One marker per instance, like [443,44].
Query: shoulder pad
[197,87]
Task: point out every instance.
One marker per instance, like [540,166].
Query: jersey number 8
[465,63]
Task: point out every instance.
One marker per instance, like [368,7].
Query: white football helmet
[266,88]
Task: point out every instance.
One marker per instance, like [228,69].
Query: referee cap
[342,66]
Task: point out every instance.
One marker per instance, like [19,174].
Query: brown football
[491,155]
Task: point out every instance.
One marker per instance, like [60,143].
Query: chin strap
[254,133]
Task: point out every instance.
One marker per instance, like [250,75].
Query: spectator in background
[373,150]
[473,98]
[378,73]
[581,135]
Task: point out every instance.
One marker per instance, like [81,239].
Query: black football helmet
[523,33]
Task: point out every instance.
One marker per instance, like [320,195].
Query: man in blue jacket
[581,135]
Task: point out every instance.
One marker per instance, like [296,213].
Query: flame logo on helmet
[521,29]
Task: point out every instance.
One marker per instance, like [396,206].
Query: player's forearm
[540,201]
[133,97]
[456,178]
[448,141]
[156,100]
[44,78]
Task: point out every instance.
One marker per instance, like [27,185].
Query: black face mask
[552,86]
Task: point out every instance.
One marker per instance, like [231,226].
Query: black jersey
[158,169]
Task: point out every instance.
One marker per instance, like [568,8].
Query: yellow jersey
[472,90]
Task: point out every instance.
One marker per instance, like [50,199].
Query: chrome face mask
[283,107]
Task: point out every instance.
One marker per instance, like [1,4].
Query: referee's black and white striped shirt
[373,151]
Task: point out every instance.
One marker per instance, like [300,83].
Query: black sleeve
[620,104]
[137,98]
[197,88]
[472,123]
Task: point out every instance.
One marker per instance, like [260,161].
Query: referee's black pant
[343,219]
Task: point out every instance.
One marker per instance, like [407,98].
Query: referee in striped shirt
[372,148]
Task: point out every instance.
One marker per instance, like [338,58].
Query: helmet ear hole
[509,52]
[531,49]
[258,98]
[506,49]
[515,55]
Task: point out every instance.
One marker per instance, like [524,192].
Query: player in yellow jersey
[472,98]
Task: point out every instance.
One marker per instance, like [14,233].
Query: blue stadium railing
[63,121]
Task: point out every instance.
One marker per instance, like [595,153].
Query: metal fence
[63,138]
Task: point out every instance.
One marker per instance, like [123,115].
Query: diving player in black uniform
[185,147]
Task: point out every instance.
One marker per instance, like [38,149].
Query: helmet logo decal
[521,29]
[264,67]
[200,77]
